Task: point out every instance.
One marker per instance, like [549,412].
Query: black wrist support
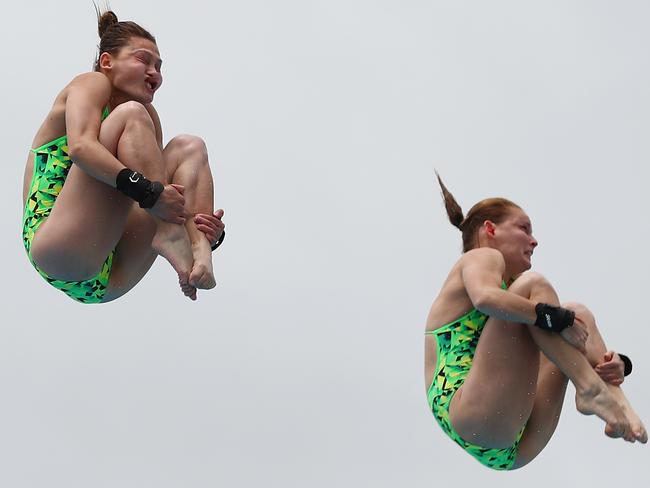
[136,186]
[218,243]
[628,364]
[555,319]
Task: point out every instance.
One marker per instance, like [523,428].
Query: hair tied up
[493,209]
[105,21]
[454,212]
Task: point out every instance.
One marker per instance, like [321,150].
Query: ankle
[200,244]
[590,388]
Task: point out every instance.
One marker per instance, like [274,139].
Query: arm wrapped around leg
[553,318]
[136,186]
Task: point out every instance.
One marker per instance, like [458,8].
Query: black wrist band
[136,186]
[151,197]
[218,243]
[628,364]
[555,319]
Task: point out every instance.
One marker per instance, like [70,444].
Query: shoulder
[92,82]
[91,78]
[483,256]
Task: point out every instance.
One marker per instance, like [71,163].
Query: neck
[117,98]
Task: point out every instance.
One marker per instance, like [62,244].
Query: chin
[141,96]
[146,98]
[522,267]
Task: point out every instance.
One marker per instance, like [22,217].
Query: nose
[155,76]
[533,242]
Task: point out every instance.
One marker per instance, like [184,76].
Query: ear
[489,227]
[105,61]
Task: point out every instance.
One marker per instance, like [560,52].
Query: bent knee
[122,119]
[528,281]
[130,110]
[577,307]
[582,312]
[533,277]
[187,144]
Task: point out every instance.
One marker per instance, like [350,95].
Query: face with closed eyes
[134,71]
[514,238]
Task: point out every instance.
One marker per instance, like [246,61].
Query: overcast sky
[325,121]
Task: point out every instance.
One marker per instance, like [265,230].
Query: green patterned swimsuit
[456,345]
[51,167]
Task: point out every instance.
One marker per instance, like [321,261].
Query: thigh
[87,220]
[497,397]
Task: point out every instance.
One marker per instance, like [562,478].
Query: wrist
[553,318]
[219,241]
[139,188]
[627,362]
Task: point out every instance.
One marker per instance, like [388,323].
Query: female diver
[499,349]
[103,198]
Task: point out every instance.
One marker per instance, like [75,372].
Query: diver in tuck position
[499,348]
[103,197]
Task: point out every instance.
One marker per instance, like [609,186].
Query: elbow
[484,301]
[77,149]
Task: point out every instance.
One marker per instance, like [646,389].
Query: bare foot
[600,402]
[202,275]
[188,290]
[637,429]
[172,243]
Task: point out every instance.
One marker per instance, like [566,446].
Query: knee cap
[189,144]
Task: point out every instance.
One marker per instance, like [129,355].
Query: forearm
[504,305]
[96,160]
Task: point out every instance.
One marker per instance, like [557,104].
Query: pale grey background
[325,121]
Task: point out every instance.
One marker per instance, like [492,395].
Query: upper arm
[87,96]
[156,122]
[482,271]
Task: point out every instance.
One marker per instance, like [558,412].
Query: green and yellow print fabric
[51,167]
[456,345]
